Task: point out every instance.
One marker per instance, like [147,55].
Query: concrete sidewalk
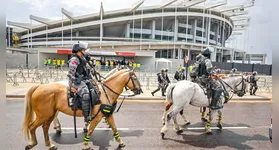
[19,92]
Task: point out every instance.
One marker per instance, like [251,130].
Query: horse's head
[236,84]
[240,86]
[133,83]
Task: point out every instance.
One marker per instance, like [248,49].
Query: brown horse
[203,109]
[46,100]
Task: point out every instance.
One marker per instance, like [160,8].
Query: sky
[263,34]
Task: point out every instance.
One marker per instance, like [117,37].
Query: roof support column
[194,27]
[153,28]
[244,57]
[127,33]
[232,55]
[217,34]
[214,54]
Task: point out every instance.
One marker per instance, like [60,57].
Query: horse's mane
[115,75]
[111,73]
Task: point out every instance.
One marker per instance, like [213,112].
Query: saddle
[75,101]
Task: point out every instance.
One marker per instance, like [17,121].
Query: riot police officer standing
[253,83]
[78,77]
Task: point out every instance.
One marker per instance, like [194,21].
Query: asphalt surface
[139,126]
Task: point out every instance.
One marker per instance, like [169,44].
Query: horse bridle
[135,89]
[238,92]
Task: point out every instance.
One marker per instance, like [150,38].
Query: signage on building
[101,53]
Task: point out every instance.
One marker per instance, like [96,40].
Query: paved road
[139,126]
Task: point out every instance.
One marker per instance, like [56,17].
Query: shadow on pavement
[98,138]
[219,138]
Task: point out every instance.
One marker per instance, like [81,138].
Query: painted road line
[100,129]
[215,128]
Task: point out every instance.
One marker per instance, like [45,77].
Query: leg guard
[255,89]
[86,106]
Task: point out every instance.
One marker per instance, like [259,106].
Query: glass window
[158,54]
[176,54]
[164,53]
[170,52]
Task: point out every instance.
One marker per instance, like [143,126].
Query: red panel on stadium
[125,53]
[64,51]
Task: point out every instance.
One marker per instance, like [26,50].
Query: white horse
[185,92]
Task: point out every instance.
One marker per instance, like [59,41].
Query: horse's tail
[169,92]
[29,113]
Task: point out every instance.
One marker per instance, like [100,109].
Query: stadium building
[171,30]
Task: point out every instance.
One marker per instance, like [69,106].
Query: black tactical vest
[202,69]
[81,70]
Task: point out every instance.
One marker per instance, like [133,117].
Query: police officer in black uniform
[78,77]
[162,82]
[205,72]
[253,83]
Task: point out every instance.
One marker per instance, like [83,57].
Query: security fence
[260,68]
[147,76]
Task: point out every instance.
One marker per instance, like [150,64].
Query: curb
[154,98]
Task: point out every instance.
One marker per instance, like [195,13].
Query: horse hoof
[28,147]
[209,133]
[85,130]
[53,148]
[121,145]
[164,123]
[219,126]
[163,135]
[203,119]
[58,132]
[89,148]
[179,131]
[188,123]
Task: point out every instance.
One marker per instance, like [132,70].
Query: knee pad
[85,97]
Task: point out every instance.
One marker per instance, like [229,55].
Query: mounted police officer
[253,83]
[78,77]
[205,72]
[162,82]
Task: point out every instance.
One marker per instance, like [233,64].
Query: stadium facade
[171,30]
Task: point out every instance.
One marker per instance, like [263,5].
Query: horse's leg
[57,125]
[45,129]
[33,126]
[116,135]
[171,115]
[203,117]
[219,124]
[184,118]
[92,126]
[208,124]
[169,104]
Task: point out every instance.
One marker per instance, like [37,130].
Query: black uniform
[253,84]
[162,83]
[204,72]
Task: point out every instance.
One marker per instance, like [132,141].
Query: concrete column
[77,33]
[213,56]
[153,29]
[194,26]
[217,33]
[127,33]
[232,54]
[206,31]
[175,29]
[189,56]
[173,53]
[244,57]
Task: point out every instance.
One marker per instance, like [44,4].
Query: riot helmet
[207,52]
[78,47]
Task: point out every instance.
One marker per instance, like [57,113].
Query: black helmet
[167,69]
[206,51]
[79,46]
[162,70]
